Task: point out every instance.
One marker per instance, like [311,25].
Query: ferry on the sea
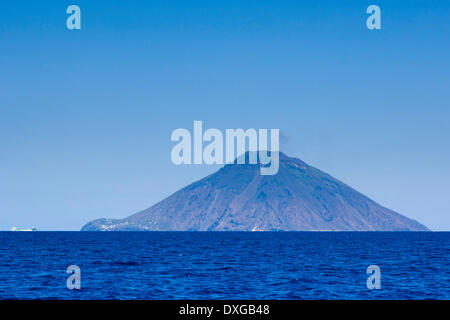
[15,229]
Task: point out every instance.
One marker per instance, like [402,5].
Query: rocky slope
[237,197]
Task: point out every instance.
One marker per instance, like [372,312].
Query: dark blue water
[204,265]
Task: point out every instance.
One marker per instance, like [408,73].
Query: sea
[224,265]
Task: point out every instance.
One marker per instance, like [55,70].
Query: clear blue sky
[86,116]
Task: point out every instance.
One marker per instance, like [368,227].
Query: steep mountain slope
[237,197]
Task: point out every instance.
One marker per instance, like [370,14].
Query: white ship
[15,229]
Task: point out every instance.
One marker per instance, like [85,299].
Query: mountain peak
[245,157]
[299,197]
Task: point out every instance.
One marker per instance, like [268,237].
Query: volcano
[238,198]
